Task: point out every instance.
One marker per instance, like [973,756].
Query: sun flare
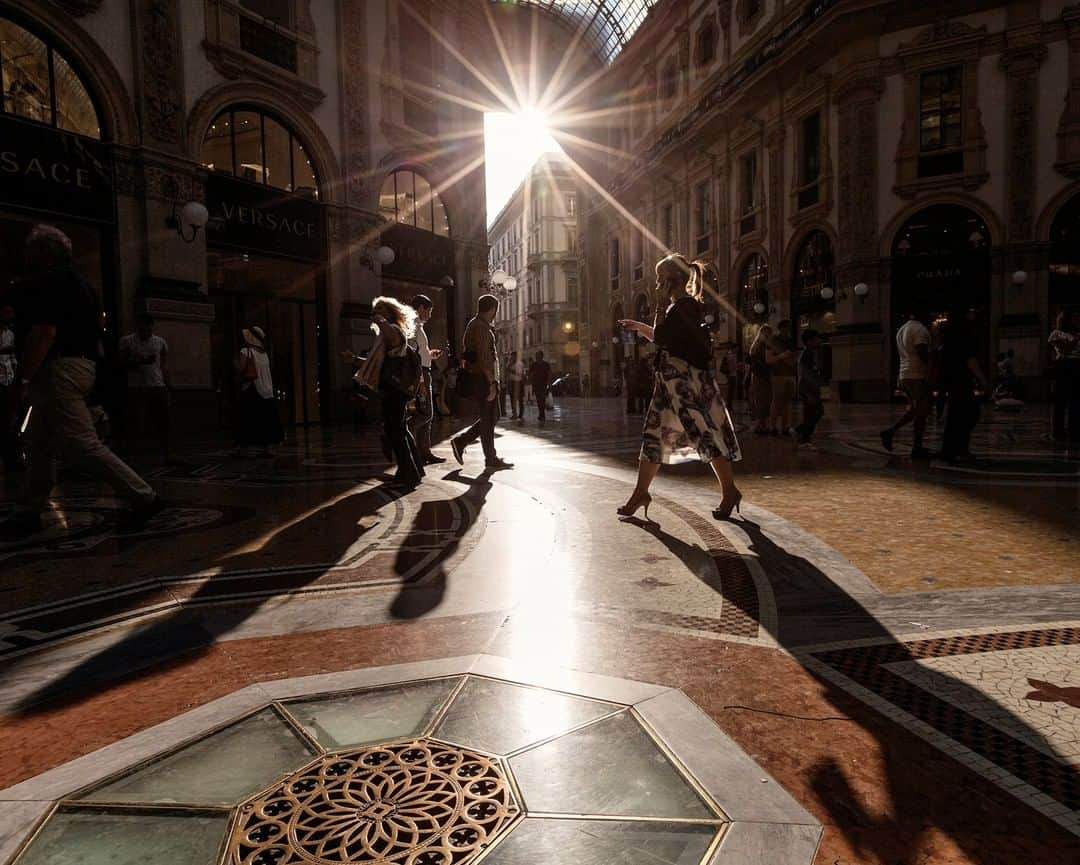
[513,143]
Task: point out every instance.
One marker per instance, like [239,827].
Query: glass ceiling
[608,24]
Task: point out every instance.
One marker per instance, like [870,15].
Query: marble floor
[880,655]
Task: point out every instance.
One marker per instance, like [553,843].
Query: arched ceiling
[608,24]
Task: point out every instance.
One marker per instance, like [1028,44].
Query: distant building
[842,164]
[534,240]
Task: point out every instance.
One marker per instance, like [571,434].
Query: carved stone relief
[1068,132]
[857,175]
[162,78]
[1022,64]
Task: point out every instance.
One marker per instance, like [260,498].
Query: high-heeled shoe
[723,512]
[631,507]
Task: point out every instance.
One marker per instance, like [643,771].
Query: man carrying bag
[478,384]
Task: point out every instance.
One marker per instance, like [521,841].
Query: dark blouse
[682,333]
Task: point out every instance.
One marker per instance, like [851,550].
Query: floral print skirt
[687,417]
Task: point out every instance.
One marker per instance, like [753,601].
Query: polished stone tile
[610,768]
[220,769]
[539,841]
[378,715]
[500,717]
[92,837]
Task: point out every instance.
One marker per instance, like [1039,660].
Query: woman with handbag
[399,381]
[257,421]
[687,415]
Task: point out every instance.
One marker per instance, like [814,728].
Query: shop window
[940,122]
[748,183]
[753,289]
[705,53]
[809,161]
[278,154]
[248,145]
[256,146]
[702,221]
[39,84]
[409,198]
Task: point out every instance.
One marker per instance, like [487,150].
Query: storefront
[941,261]
[813,293]
[266,259]
[54,166]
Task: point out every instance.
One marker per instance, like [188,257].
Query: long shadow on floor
[435,535]
[214,609]
[1024,748]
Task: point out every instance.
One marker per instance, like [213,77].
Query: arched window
[409,199]
[753,298]
[1065,258]
[753,279]
[248,142]
[813,272]
[40,85]
[705,50]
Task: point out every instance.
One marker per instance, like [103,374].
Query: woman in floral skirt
[687,415]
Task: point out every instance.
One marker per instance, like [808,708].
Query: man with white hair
[57,366]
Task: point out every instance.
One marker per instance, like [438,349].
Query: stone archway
[1063,288]
[940,261]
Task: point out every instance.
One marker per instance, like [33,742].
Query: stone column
[1016,322]
[860,365]
[774,233]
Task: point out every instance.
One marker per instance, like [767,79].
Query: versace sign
[56,172]
[263,219]
[419,255]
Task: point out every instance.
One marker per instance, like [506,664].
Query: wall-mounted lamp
[447,282]
[861,290]
[759,308]
[192,215]
[1019,279]
[384,255]
[827,292]
[614,340]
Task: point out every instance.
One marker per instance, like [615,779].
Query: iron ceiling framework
[608,24]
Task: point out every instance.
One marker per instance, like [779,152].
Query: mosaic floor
[888,647]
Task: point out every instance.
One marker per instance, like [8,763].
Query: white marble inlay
[1023,692]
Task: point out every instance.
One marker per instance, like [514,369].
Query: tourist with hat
[257,422]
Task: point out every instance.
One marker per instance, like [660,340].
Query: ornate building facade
[534,240]
[314,134]
[843,164]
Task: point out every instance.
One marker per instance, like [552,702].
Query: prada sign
[56,172]
[263,219]
[419,255]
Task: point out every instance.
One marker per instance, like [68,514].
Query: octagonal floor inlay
[450,768]
[421,802]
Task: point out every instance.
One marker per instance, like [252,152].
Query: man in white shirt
[913,348]
[9,437]
[517,387]
[425,401]
[145,356]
